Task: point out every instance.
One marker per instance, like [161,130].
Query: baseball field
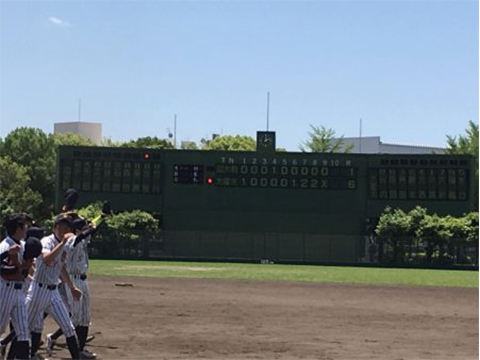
[185,310]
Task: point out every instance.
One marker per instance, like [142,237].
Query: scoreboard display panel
[302,207]
[128,177]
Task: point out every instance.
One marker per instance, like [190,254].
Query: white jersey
[12,298]
[8,242]
[40,298]
[50,275]
[77,264]
[77,259]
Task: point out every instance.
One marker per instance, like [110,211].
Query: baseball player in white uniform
[12,295]
[43,295]
[32,248]
[77,266]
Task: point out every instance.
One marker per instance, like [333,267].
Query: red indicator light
[209,181]
[146,156]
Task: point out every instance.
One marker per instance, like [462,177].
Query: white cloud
[59,22]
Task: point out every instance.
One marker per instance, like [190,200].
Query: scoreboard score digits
[285,176]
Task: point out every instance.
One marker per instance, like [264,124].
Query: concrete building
[373,145]
[92,131]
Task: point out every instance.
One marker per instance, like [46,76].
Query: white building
[92,131]
[373,145]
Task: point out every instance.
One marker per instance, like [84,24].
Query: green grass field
[273,272]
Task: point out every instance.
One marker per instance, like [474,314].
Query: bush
[122,233]
[438,240]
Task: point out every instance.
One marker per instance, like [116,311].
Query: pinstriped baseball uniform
[77,266]
[43,295]
[12,298]
[63,290]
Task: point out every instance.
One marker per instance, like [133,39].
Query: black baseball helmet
[80,224]
[33,248]
[71,197]
[35,232]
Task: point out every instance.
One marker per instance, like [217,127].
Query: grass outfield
[272,272]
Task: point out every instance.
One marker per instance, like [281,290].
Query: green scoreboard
[299,207]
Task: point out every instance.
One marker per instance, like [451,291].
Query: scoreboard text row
[286,170]
[291,183]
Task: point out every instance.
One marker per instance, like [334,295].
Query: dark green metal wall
[282,206]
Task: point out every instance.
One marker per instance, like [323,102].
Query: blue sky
[409,69]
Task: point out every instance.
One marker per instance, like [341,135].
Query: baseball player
[33,232]
[12,296]
[14,268]
[43,293]
[77,266]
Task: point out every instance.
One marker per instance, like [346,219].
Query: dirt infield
[218,319]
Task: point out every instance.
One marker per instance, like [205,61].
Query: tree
[108,142]
[434,232]
[35,150]
[123,232]
[393,225]
[71,139]
[14,191]
[149,142]
[416,216]
[229,143]
[189,145]
[467,144]
[471,233]
[323,140]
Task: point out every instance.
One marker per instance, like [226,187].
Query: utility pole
[360,140]
[175,132]
[268,109]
